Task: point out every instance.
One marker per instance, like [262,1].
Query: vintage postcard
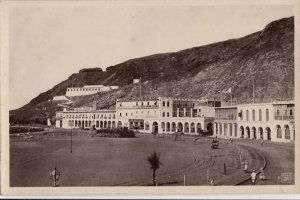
[149,97]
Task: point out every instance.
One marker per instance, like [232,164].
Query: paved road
[279,157]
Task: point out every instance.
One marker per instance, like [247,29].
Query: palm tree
[153,159]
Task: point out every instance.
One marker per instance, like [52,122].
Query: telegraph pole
[140,87]
[253,93]
[71,125]
[71,139]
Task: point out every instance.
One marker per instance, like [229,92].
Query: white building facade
[268,121]
[163,115]
[88,89]
[146,114]
[85,118]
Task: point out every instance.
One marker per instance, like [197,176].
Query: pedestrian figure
[253,177]
[246,166]
[261,142]
[55,174]
[231,140]
[196,139]
[262,174]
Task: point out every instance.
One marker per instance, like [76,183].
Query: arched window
[259,115]
[163,114]
[277,112]
[147,125]
[241,115]
[168,103]
[279,132]
[137,103]
[163,103]
[267,114]
[253,115]
[142,103]
[148,103]
[163,126]
[291,112]
[287,134]
[247,115]
[168,115]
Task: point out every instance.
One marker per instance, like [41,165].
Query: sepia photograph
[150,94]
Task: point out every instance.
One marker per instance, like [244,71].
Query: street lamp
[71,123]
[55,174]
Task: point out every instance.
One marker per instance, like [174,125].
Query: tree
[155,163]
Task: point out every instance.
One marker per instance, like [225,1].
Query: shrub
[117,132]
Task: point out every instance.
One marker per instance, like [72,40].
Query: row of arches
[255,133]
[284,133]
[90,124]
[185,127]
[180,127]
[226,129]
[254,117]
[167,127]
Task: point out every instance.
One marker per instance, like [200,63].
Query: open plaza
[104,161]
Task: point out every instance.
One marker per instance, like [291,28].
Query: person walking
[261,142]
[246,166]
[253,177]
[262,174]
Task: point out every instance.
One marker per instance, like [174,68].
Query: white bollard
[207,174]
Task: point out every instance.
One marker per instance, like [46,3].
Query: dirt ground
[97,161]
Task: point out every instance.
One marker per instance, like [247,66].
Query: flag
[227,91]
[135,81]
[48,122]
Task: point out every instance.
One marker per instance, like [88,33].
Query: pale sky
[47,45]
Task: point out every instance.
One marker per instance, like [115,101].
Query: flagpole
[140,87]
[253,94]
[230,99]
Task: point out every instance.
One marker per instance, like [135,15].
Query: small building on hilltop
[88,90]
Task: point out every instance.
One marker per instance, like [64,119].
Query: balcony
[284,117]
[138,107]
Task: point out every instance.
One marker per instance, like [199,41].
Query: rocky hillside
[199,72]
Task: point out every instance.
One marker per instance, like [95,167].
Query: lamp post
[71,125]
[55,174]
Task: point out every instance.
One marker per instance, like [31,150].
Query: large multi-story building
[146,114]
[164,115]
[88,89]
[268,121]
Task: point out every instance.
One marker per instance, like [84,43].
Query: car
[215,144]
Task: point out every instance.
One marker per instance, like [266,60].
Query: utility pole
[140,87]
[253,93]
[230,98]
[71,136]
